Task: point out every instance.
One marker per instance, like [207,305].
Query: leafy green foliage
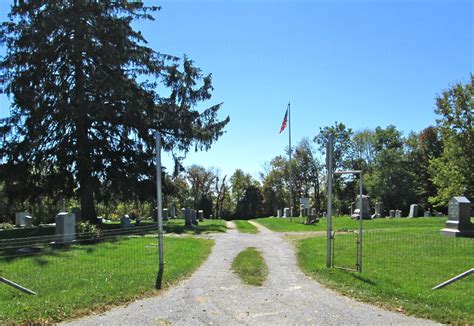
[453,171]
[85,102]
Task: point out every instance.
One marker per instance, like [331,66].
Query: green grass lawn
[400,267]
[250,266]
[245,227]
[208,226]
[73,281]
[345,222]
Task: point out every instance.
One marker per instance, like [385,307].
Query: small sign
[305,202]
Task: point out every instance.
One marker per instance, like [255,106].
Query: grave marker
[459,218]
[413,210]
[65,227]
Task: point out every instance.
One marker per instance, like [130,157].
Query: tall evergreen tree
[85,106]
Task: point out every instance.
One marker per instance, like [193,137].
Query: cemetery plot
[401,266]
[74,280]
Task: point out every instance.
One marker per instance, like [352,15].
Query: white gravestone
[413,210]
[286,212]
[65,227]
[20,218]
[278,213]
[28,221]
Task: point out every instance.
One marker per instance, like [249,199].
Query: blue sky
[363,63]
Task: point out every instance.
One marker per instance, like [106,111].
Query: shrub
[6,226]
[87,231]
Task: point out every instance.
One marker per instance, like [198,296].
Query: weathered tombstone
[427,213]
[313,211]
[391,213]
[365,206]
[165,214]
[28,221]
[77,213]
[20,218]
[173,212]
[398,213]
[352,208]
[439,214]
[65,227]
[302,213]
[459,218]
[413,210]
[379,209]
[125,222]
[286,212]
[201,215]
[183,213]
[278,212]
[194,217]
[187,217]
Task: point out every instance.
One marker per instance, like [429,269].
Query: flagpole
[291,178]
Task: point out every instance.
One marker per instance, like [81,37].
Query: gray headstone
[194,217]
[20,218]
[173,212]
[313,211]
[391,213]
[427,214]
[165,214]
[278,212]
[302,213]
[398,213]
[352,208]
[65,227]
[183,213]
[28,221]
[125,222]
[286,212]
[365,206]
[187,217]
[379,209]
[413,210]
[459,218]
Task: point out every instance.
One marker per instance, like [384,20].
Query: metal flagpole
[159,209]
[291,177]
[329,165]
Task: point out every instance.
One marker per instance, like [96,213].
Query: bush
[87,231]
[6,226]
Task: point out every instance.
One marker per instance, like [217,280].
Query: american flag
[283,124]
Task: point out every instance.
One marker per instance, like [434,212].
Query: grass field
[245,227]
[208,226]
[250,266]
[74,281]
[344,222]
[400,266]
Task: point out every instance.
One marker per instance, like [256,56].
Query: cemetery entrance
[345,250]
[347,241]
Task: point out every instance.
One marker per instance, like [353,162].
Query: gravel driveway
[215,296]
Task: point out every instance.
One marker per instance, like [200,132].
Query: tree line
[87,95]
[427,168]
